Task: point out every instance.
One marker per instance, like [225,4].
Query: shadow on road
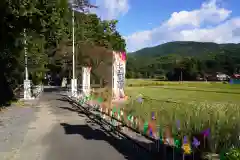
[80,113]
[54,89]
[123,146]
[130,148]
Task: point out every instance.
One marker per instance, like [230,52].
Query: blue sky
[145,23]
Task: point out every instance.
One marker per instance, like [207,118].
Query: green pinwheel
[82,101]
[129,117]
[119,112]
[91,97]
[160,135]
[100,100]
[114,110]
[134,124]
[177,143]
[145,127]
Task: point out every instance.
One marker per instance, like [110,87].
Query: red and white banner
[119,71]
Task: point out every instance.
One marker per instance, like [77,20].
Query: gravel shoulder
[14,126]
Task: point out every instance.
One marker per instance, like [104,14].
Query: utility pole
[74,80]
[181,75]
[25,55]
[27,82]
[76,4]
[73,43]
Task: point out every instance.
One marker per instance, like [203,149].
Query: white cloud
[208,13]
[111,9]
[190,26]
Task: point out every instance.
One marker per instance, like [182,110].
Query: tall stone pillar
[27,90]
[86,73]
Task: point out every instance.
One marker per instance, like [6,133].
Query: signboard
[119,71]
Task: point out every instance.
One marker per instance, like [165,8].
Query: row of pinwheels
[147,128]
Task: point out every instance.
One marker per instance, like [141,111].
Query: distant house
[222,77]
[216,76]
[236,76]
[210,77]
[199,77]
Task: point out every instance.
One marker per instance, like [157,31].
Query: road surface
[48,129]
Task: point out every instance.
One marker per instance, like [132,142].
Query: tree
[48,26]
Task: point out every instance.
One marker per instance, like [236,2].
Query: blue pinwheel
[150,132]
[140,100]
[185,140]
[153,116]
[178,124]
[195,142]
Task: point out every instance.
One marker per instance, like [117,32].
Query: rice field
[196,105]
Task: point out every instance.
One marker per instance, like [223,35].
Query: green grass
[197,105]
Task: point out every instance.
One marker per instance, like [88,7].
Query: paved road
[47,129]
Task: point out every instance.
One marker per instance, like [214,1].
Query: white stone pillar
[27,82]
[86,73]
[74,87]
[27,90]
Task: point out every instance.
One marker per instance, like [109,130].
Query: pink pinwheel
[206,132]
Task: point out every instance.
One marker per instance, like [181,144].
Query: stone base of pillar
[27,90]
[74,87]
[86,91]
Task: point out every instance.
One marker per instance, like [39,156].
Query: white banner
[119,71]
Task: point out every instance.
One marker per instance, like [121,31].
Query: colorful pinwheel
[100,100]
[145,127]
[150,132]
[153,116]
[206,132]
[195,142]
[185,140]
[186,146]
[178,124]
[177,143]
[129,117]
[140,100]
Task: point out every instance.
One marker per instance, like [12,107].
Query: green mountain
[192,58]
[184,48]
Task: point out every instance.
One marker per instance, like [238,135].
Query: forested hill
[194,59]
[185,48]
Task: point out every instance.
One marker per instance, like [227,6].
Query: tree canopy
[48,25]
